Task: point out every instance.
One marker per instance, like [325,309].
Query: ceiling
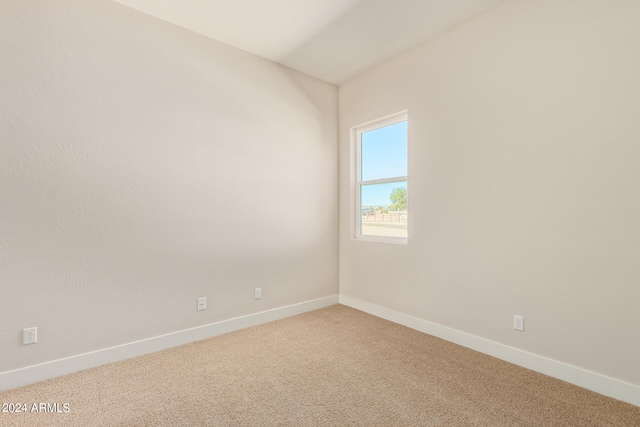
[333,40]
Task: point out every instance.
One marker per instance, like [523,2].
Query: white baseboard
[56,368]
[607,386]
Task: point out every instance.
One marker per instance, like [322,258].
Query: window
[381,179]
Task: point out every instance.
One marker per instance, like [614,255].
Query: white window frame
[356,137]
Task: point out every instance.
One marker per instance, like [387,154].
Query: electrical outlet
[257,293]
[518,323]
[202,303]
[29,336]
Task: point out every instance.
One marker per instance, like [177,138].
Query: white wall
[144,166]
[524,182]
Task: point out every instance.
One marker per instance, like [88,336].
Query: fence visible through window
[381,179]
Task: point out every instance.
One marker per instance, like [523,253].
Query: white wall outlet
[30,336]
[202,303]
[518,323]
[257,293]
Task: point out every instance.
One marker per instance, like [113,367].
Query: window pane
[384,152]
[383,208]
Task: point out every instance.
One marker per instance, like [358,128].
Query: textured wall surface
[144,166]
[524,195]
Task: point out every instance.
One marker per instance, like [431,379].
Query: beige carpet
[332,367]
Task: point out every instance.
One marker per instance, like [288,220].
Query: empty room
[310,213]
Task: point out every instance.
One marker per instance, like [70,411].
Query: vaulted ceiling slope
[333,40]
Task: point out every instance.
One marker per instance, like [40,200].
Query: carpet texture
[331,367]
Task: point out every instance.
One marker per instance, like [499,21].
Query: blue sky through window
[384,155]
[384,152]
[378,194]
